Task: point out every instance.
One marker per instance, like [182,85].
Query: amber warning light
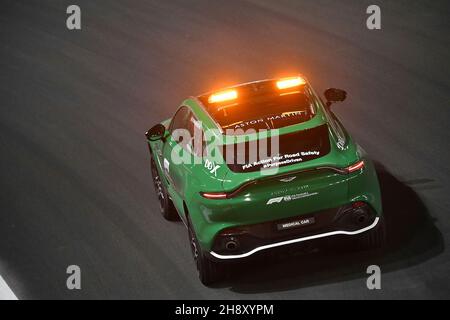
[223,96]
[290,82]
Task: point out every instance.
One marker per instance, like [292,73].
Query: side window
[178,126]
[340,132]
[334,123]
[337,128]
[189,136]
[179,120]
[196,143]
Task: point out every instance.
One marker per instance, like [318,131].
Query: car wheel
[166,206]
[376,237]
[209,272]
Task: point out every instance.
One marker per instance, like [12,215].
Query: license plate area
[297,223]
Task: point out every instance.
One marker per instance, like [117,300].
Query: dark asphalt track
[74,105]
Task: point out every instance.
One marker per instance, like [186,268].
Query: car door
[175,167]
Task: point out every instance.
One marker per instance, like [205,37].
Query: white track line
[5,291]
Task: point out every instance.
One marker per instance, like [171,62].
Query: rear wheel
[209,271]
[166,206]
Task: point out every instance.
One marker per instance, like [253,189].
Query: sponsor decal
[275,161]
[279,160]
[243,124]
[309,153]
[166,165]
[292,197]
[211,166]
[341,143]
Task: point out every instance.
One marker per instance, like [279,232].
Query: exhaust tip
[361,218]
[231,244]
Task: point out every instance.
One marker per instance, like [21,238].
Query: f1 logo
[275,200]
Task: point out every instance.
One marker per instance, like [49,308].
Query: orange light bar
[223,96]
[290,82]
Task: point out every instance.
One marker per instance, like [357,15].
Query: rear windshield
[293,148]
[268,111]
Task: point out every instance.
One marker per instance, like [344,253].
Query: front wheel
[209,271]
[166,206]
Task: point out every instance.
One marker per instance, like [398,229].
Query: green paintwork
[185,182]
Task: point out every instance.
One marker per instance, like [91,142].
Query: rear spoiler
[359,165]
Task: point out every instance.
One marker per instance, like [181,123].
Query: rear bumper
[324,191]
[248,240]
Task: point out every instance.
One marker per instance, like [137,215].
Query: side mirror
[334,95]
[157,132]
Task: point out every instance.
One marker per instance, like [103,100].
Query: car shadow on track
[412,239]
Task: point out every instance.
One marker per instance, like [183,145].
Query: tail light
[358,204]
[355,167]
[214,195]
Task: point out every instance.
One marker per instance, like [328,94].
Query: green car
[262,165]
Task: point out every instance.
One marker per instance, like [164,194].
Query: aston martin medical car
[262,165]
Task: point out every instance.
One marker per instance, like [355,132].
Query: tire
[375,238]
[209,271]
[166,206]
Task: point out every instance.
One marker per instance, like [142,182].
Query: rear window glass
[293,148]
[267,111]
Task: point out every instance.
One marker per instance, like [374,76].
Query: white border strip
[283,243]
[5,291]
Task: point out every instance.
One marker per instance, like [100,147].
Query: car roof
[199,106]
